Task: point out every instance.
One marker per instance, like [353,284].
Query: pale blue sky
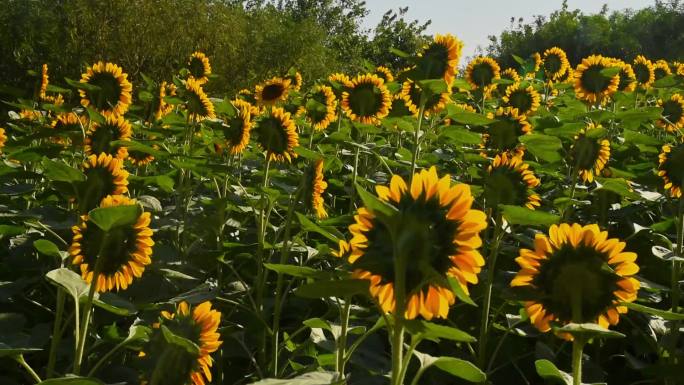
[473,20]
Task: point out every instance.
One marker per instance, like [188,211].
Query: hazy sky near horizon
[474,20]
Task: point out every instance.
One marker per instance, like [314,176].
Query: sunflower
[590,84]
[105,175]
[161,108]
[318,186]
[198,324]
[481,73]
[525,100]
[69,121]
[198,103]
[627,77]
[673,113]
[139,158]
[100,135]
[679,68]
[385,73]
[113,95]
[590,155]
[44,81]
[537,61]
[411,94]
[555,63]
[508,74]
[119,255]
[577,267]
[277,135]
[295,81]
[3,139]
[272,91]
[661,69]
[502,135]
[237,129]
[438,60]
[436,229]
[644,72]
[321,107]
[199,68]
[367,100]
[670,163]
[509,181]
[340,78]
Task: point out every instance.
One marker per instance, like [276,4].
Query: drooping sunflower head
[105,176]
[411,94]
[385,73]
[508,74]
[509,181]
[502,135]
[673,113]
[481,73]
[247,96]
[578,275]
[139,158]
[174,365]
[591,85]
[272,91]
[296,81]
[436,235]
[198,103]
[160,107]
[555,63]
[100,136]
[120,255]
[525,100]
[367,100]
[644,71]
[113,93]
[199,67]
[627,77]
[321,107]
[439,59]
[661,69]
[237,129]
[589,154]
[277,135]
[670,163]
[315,189]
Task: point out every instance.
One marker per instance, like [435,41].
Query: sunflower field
[434,225]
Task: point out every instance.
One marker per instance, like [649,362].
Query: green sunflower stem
[284,255]
[56,332]
[397,351]
[355,174]
[83,333]
[340,361]
[261,273]
[399,308]
[491,270]
[20,359]
[577,349]
[416,141]
[676,266]
[106,357]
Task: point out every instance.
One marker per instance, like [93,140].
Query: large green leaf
[48,248]
[297,271]
[107,218]
[72,381]
[589,330]
[436,332]
[461,369]
[179,341]
[667,315]
[518,215]
[61,172]
[548,371]
[308,225]
[542,146]
[315,378]
[69,281]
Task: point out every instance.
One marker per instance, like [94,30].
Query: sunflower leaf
[459,292]
[517,215]
[82,86]
[435,332]
[667,315]
[460,368]
[373,203]
[48,248]
[548,371]
[179,341]
[297,271]
[308,225]
[107,218]
[610,71]
[61,172]
[589,330]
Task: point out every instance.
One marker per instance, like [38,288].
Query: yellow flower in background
[555,63]
[277,135]
[439,59]
[644,71]
[525,100]
[509,181]
[113,96]
[3,139]
[318,187]
[590,154]
[366,100]
[411,94]
[502,135]
[272,91]
[437,229]
[481,73]
[120,256]
[566,271]
[661,69]
[670,163]
[296,81]
[321,107]
[100,136]
[199,67]
[508,74]
[198,103]
[628,81]
[105,176]
[591,85]
[673,113]
[385,73]
[237,130]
